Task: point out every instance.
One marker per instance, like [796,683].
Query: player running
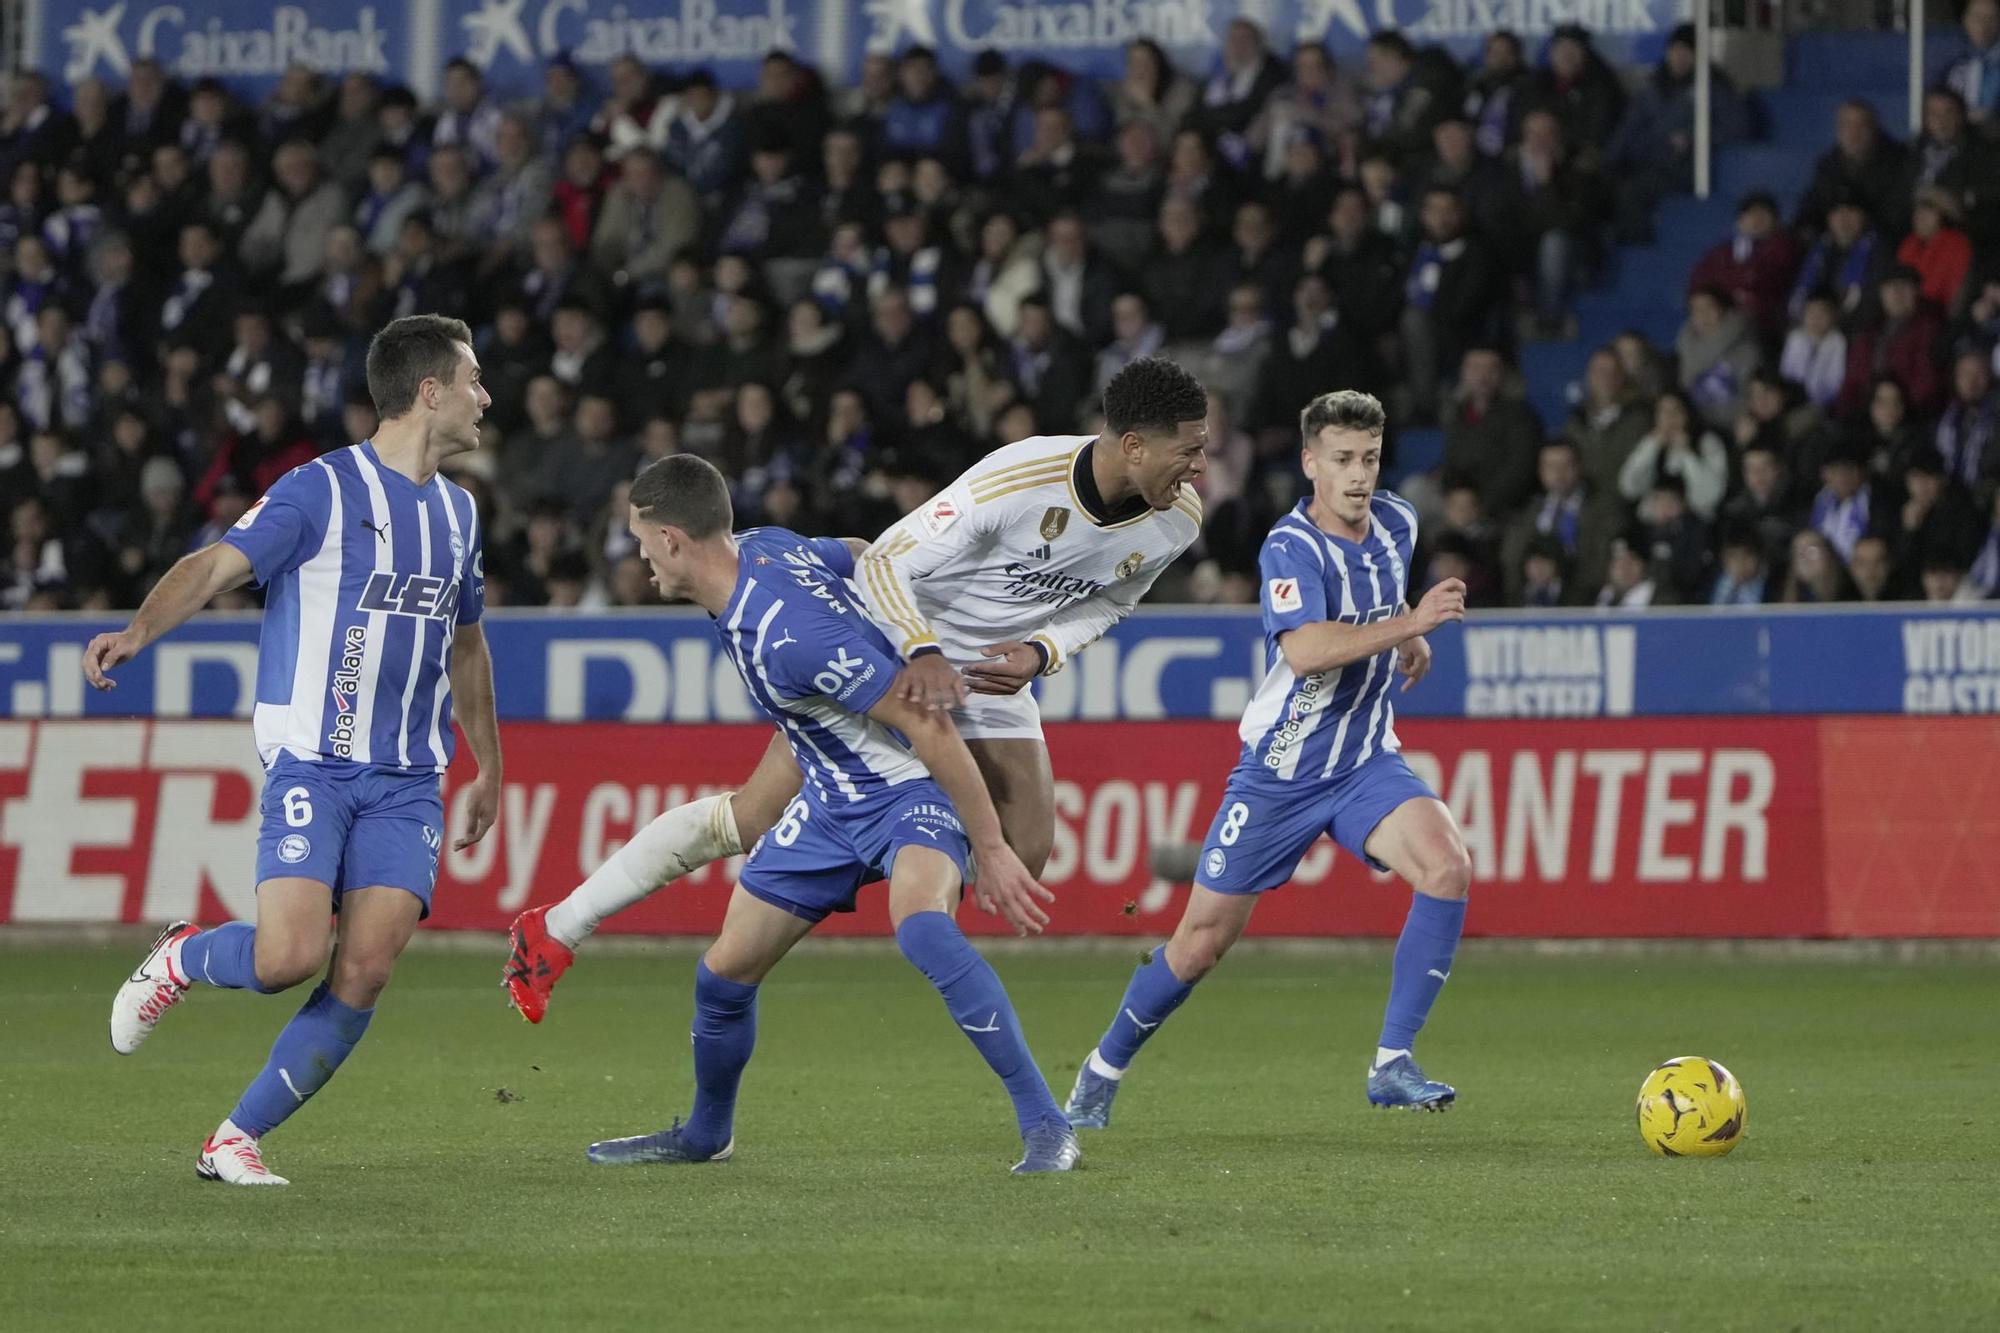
[886,784]
[1020,564]
[1320,755]
[371,629]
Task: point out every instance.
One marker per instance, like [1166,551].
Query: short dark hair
[686,492]
[409,351]
[1151,394]
[1346,409]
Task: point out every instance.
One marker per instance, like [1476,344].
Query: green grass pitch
[1245,1183]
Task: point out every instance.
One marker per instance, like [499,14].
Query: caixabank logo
[527,32]
[101,42]
[1063,25]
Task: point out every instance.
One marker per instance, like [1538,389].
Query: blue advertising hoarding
[249,44]
[666,666]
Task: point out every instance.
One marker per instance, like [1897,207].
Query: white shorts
[999,717]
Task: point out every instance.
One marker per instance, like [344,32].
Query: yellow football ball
[1691,1107]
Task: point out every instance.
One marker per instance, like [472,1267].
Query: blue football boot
[1049,1146]
[1090,1100]
[669,1145]
[1401,1083]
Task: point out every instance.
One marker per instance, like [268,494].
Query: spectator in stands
[1936,514]
[1813,574]
[1745,575]
[1579,88]
[1077,283]
[1757,265]
[1975,76]
[468,119]
[1134,335]
[1608,421]
[1905,342]
[1628,581]
[1184,277]
[1815,354]
[1843,509]
[1455,163]
[1948,155]
[260,363]
[975,369]
[1491,433]
[705,138]
[1320,106]
[1776,414]
[119,319]
[1152,92]
[1848,259]
[387,199]
[1006,270]
[512,198]
[1498,92]
[649,217]
[1316,350]
[1985,571]
[1578,523]
[1872,568]
[1678,447]
[1652,151]
[1050,369]
[1718,353]
[1889,434]
[1359,263]
[1466,524]
[286,241]
[1451,300]
[1762,502]
[564,112]
[1246,75]
[1936,247]
[253,455]
[1966,438]
[1864,166]
[924,118]
[1546,211]
[1399,110]
[54,379]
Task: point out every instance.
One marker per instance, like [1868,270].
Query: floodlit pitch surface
[440,1181]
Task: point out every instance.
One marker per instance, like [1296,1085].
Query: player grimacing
[1021,563]
[371,628]
[890,791]
[1320,755]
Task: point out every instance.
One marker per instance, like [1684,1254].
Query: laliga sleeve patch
[1284,594]
[250,514]
[938,515]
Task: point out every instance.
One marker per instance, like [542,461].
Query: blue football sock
[303,1058]
[978,1003]
[225,956]
[1154,993]
[1423,961]
[725,1032]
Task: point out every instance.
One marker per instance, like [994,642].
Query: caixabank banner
[407,41]
[1663,827]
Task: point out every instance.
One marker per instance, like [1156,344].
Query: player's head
[679,506]
[1156,417]
[422,371]
[1342,437]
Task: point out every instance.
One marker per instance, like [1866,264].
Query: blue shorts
[817,856]
[1265,825]
[351,826]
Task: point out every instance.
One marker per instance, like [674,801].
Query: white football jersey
[1021,548]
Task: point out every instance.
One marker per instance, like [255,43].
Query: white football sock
[1101,1069]
[1383,1055]
[679,842]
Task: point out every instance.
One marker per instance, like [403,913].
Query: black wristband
[1043,649]
[915,653]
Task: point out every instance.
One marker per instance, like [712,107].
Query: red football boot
[537,963]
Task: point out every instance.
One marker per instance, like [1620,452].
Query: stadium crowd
[844,297]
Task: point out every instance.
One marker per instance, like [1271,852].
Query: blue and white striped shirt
[815,663]
[368,575]
[1329,723]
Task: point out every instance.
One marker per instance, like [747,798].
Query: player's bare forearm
[935,739]
[191,584]
[472,697]
[1329,645]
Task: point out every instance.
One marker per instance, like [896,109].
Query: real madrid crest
[1130,565]
[1054,520]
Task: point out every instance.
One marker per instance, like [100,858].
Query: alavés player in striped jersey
[1320,756]
[371,562]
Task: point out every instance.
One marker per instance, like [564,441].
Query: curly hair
[1153,394]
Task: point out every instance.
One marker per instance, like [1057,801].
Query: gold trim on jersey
[1032,465]
[1054,651]
[895,606]
[1189,503]
[983,491]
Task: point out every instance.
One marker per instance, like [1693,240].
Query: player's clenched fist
[1442,604]
[105,652]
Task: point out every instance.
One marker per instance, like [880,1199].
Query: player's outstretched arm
[472,705]
[1005,887]
[1328,645]
[190,585]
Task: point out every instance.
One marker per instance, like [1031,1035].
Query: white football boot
[232,1157]
[156,987]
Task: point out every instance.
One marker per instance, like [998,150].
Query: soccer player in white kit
[1021,563]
